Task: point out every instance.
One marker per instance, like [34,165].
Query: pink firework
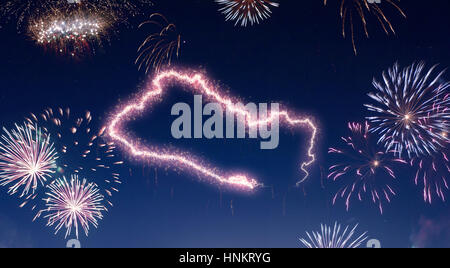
[247,11]
[199,85]
[363,168]
[74,203]
[27,159]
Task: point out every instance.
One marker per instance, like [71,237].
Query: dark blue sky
[299,58]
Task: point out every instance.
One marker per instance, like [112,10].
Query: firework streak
[27,159]
[198,84]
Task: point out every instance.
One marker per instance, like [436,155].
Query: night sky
[298,58]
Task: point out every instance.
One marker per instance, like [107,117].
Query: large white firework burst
[247,11]
[334,237]
[27,159]
[407,114]
[73,203]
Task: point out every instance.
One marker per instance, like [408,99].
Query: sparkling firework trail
[74,203]
[362,8]
[158,48]
[82,151]
[363,168]
[246,11]
[334,238]
[198,84]
[408,117]
[27,159]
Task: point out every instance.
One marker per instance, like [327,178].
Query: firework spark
[27,159]
[198,84]
[74,203]
[363,8]
[158,49]
[334,238]
[82,150]
[366,169]
[407,118]
[246,11]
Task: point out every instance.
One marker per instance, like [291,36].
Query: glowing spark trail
[73,35]
[364,169]
[73,203]
[198,84]
[328,238]
[247,11]
[27,159]
[406,114]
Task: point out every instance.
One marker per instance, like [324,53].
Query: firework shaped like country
[406,114]
[363,168]
[82,148]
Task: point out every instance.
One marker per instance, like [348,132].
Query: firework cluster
[38,156]
[408,126]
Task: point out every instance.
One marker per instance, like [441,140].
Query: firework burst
[27,159]
[336,237]
[74,203]
[363,168]
[76,34]
[246,11]
[117,11]
[82,150]
[408,118]
[158,48]
[349,9]
[433,170]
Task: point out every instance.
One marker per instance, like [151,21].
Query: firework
[23,10]
[158,49]
[27,159]
[433,170]
[74,34]
[362,9]
[407,114]
[116,11]
[74,203]
[246,11]
[334,238]
[199,85]
[364,168]
[82,150]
